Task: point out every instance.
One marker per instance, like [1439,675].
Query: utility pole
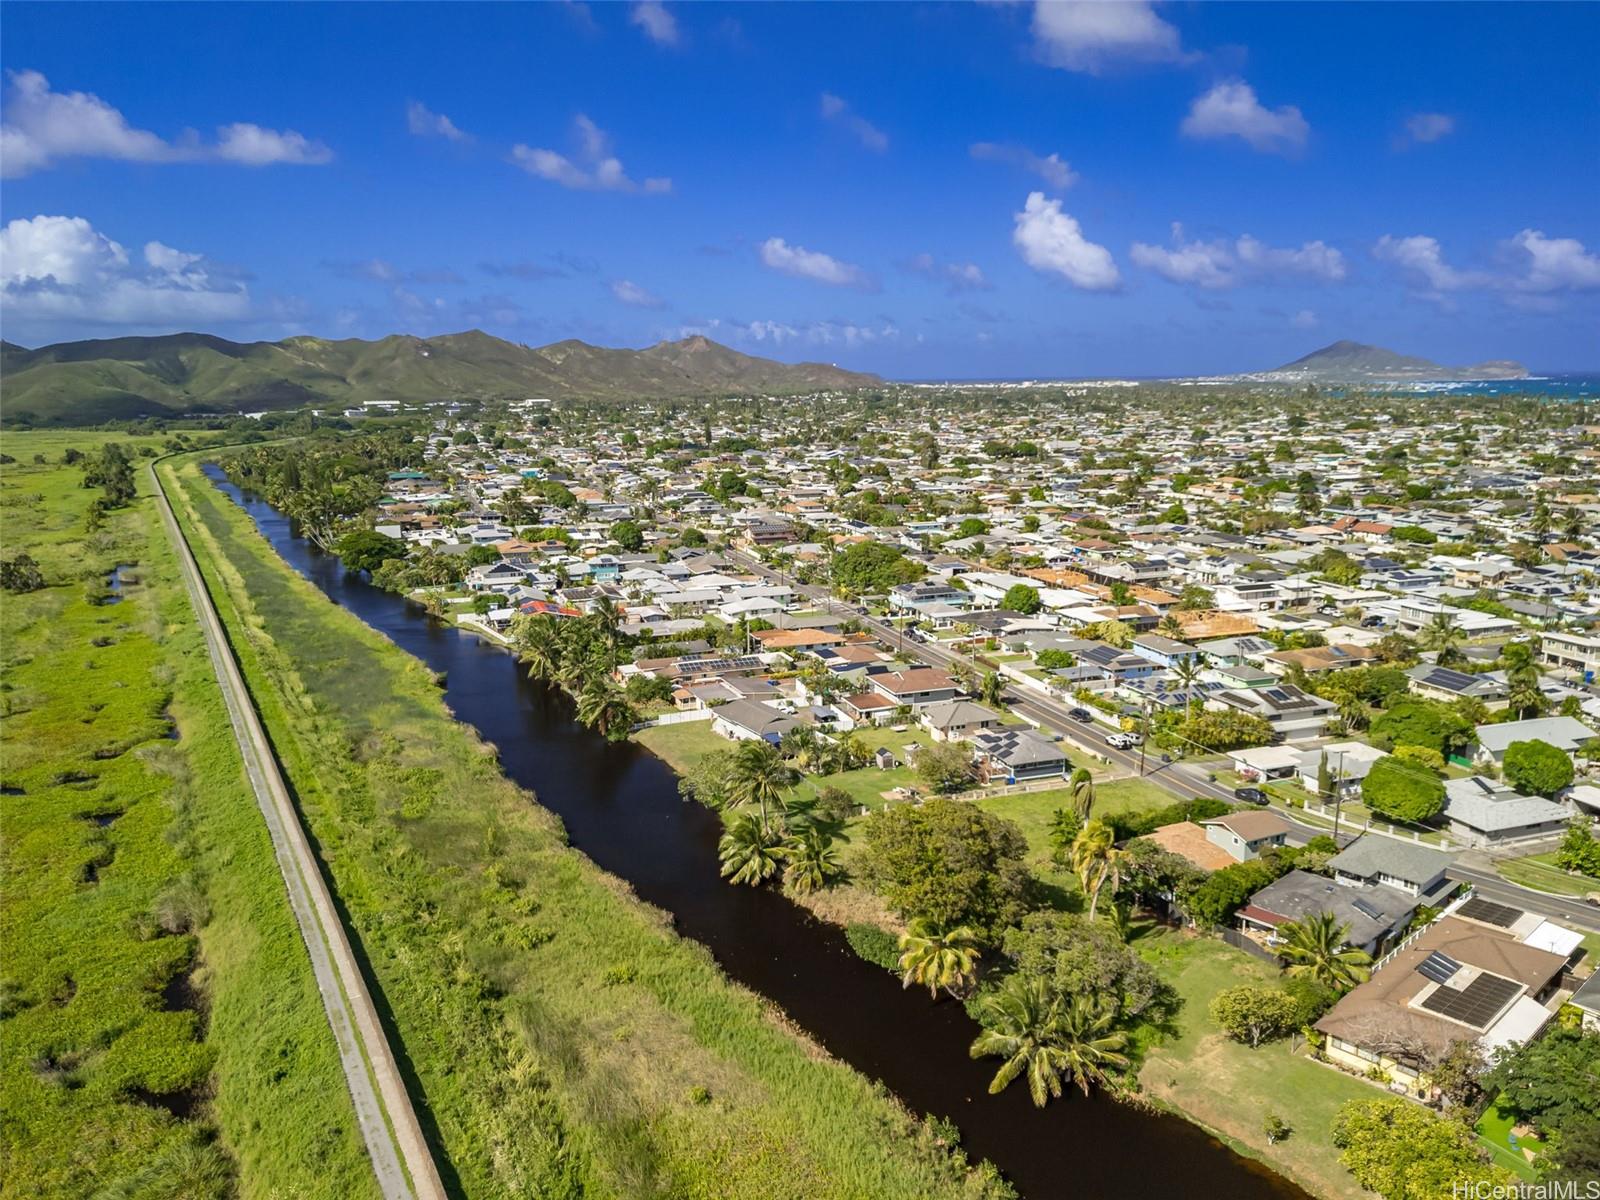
[1144,729]
[1338,797]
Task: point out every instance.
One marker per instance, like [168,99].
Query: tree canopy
[1537,767]
[1402,790]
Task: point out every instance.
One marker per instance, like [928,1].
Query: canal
[621,807]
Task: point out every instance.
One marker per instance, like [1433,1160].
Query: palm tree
[1021,1024]
[799,744]
[603,708]
[993,689]
[759,776]
[750,853]
[608,620]
[1089,1044]
[1091,851]
[1188,671]
[938,958]
[1443,635]
[1081,788]
[1315,949]
[813,862]
[539,646]
[1572,524]
[1170,627]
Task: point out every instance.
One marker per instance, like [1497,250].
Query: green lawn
[1494,1131]
[1032,811]
[1539,871]
[1231,1088]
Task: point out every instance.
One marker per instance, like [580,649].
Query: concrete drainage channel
[400,1156]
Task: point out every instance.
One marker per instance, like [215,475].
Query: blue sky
[993,190]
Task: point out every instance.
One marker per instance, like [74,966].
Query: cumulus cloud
[1221,263]
[659,25]
[1531,266]
[1051,168]
[1421,260]
[424,122]
[956,276]
[779,255]
[1422,128]
[43,126]
[1230,109]
[528,272]
[840,113]
[57,269]
[1552,264]
[629,292]
[594,167]
[378,270]
[1050,241]
[849,334]
[1304,319]
[1092,35]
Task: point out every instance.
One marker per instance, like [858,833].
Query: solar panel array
[1438,967]
[1476,1004]
[1444,677]
[1361,906]
[1502,916]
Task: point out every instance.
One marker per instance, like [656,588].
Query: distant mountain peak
[1357,361]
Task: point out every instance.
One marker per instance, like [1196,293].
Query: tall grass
[564,1041]
[161,1031]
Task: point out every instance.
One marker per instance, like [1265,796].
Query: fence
[1239,939]
[1439,839]
[677,718]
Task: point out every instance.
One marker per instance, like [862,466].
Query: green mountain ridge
[174,374]
[1346,360]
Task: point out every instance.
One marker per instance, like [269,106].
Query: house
[1372,913]
[494,576]
[1318,660]
[1188,841]
[1294,715]
[1575,654]
[751,721]
[1587,1001]
[1459,980]
[1485,812]
[955,720]
[1348,764]
[1410,867]
[1441,683]
[1246,835]
[1017,755]
[1163,651]
[869,708]
[1259,763]
[917,687]
[1564,733]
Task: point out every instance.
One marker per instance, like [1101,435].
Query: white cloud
[1052,241]
[1051,168]
[43,126]
[869,135]
[1224,264]
[956,276]
[55,269]
[1421,128]
[1422,260]
[779,255]
[423,122]
[1091,35]
[629,292]
[1304,319]
[1554,264]
[1230,109]
[658,24]
[807,333]
[596,168]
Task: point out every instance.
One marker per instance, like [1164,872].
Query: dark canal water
[621,807]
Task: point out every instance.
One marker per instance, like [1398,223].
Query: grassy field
[1494,1131]
[564,1041]
[162,1033]
[1230,1088]
[1539,871]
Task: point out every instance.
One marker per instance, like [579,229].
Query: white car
[1123,741]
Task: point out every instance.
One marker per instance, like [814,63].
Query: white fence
[677,718]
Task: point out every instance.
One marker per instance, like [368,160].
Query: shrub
[1421,756]
[877,946]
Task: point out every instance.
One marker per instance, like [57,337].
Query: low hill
[1352,361]
[117,378]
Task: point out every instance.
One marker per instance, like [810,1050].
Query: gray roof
[1564,733]
[758,718]
[1018,747]
[957,714]
[1300,894]
[1373,854]
[1588,996]
[1492,807]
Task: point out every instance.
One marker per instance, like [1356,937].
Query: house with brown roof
[1189,841]
[917,687]
[797,639]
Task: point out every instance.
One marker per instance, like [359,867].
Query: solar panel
[1361,906]
[1438,967]
[1502,916]
[1476,1004]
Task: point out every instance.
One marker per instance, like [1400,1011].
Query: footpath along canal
[621,807]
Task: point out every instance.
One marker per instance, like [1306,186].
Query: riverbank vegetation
[563,1040]
[160,1029]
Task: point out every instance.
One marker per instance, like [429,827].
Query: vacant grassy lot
[564,1041]
[1539,871]
[162,1034]
[1032,811]
[1231,1088]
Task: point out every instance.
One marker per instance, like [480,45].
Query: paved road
[1173,777]
[400,1156]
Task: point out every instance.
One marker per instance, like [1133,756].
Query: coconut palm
[1089,1044]
[799,744]
[1443,635]
[1081,789]
[1041,1035]
[603,708]
[938,958]
[1091,850]
[993,689]
[813,862]
[539,647]
[759,776]
[1315,949]
[750,853]
[1188,671]
[1572,524]
[608,621]
[1170,627]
